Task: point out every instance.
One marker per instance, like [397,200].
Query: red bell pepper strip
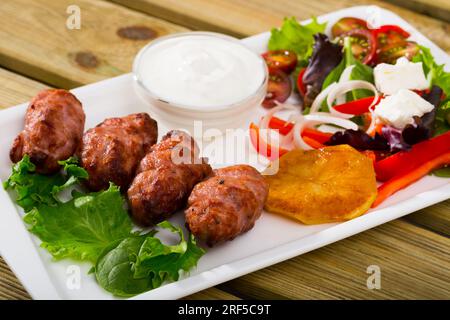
[317,135]
[404,179]
[313,143]
[356,107]
[262,147]
[284,127]
[300,85]
[420,153]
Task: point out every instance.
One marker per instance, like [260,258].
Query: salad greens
[33,189]
[82,227]
[435,73]
[296,37]
[360,71]
[96,227]
[141,263]
[439,77]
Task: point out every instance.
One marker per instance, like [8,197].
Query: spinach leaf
[114,268]
[140,263]
[82,227]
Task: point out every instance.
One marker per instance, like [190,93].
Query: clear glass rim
[233,105]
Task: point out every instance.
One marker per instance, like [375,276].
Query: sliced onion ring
[313,119]
[345,76]
[343,88]
[321,98]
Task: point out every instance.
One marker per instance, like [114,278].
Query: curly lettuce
[296,37]
[33,189]
[95,227]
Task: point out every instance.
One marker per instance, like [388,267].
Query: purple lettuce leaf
[325,57]
[358,139]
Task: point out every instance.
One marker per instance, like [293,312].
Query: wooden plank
[244,18]
[16,89]
[10,287]
[436,218]
[414,264]
[35,41]
[211,294]
[437,8]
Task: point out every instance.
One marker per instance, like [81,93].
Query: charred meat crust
[227,204]
[54,124]
[162,185]
[112,150]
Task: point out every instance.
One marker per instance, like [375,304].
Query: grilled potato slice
[320,186]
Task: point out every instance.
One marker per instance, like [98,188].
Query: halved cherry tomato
[392,32]
[278,89]
[346,24]
[300,85]
[390,54]
[363,44]
[284,60]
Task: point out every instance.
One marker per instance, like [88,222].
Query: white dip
[201,71]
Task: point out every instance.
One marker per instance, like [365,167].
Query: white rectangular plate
[273,239]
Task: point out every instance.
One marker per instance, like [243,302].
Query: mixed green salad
[96,228]
[372,88]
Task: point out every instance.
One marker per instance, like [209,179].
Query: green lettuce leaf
[436,73]
[82,227]
[33,189]
[141,263]
[296,37]
[360,71]
[442,172]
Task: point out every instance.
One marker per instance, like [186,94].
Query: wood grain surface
[413,252]
[414,264]
[435,8]
[35,41]
[244,18]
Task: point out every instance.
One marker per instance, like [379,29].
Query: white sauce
[201,71]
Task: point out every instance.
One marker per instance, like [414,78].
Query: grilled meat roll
[165,178]
[54,124]
[227,204]
[112,150]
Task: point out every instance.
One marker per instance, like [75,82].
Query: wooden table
[38,51]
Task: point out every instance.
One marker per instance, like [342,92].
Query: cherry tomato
[347,24]
[390,54]
[278,89]
[284,60]
[363,44]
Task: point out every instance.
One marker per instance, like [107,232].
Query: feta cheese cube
[390,78]
[400,109]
